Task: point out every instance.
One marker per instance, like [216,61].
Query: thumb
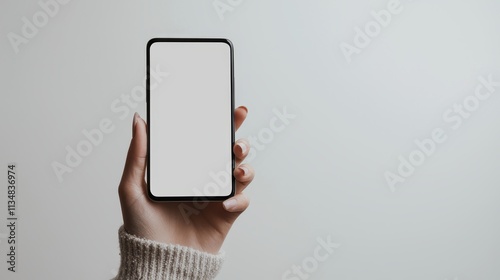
[132,181]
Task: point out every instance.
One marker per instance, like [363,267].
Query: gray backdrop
[375,127]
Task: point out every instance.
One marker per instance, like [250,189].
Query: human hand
[207,227]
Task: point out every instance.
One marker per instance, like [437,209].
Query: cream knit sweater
[146,259]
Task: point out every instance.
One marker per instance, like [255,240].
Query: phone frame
[148,81]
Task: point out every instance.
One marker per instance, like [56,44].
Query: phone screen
[190,119]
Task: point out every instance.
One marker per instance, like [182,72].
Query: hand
[206,227]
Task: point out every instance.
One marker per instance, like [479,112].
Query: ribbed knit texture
[150,260]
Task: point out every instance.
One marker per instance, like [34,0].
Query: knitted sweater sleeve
[151,260]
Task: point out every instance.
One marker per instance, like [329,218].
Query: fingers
[133,173]
[241,149]
[244,175]
[237,203]
[240,115]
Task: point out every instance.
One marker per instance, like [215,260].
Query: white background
[321,175]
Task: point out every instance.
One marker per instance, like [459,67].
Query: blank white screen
[190,119]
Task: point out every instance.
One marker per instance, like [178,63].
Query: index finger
[240,115]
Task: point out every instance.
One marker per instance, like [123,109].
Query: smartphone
[190,119]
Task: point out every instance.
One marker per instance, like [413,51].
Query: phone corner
[151,42]
[151,196]
[229,42]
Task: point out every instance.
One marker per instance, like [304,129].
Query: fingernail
[244,108]
[242,146]
[244,170]
[230,204]
[134,122]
